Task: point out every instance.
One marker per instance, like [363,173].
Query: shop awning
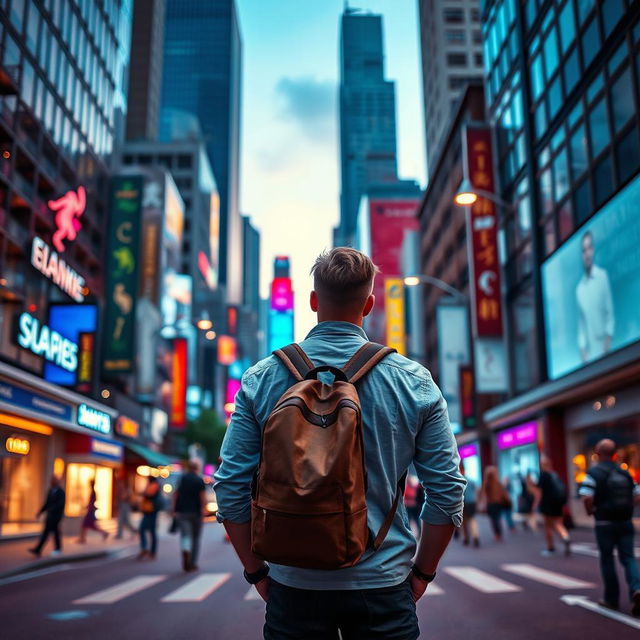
[152,458]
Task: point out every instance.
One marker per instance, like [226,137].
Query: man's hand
[262,588]
[418,587]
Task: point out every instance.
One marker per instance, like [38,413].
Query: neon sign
[51,266]
[94,419]
[19,446]
[69,208]
[43,341]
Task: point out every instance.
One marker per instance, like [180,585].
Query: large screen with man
[591,287]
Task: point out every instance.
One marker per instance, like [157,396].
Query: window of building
[567,26]
[17,13]
[455,35]
[598,127]
[456,82]
[571,71]
[457,59]
[184,161]
[622,106]
[603,180]
[612,11]
[475,14]
[582,202]
[579,153]
[628,155]
[478,59]
[560,175]
[477,37]
[453,14]
[590,43]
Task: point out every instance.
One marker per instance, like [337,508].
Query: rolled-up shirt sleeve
[437,462]
[587,487]
[240,455]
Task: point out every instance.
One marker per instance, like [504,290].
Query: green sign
[122,275]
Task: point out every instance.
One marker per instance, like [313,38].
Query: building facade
[563,96]
[205,35]
[451,48]
[367,116]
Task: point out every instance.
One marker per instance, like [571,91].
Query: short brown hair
[343,276]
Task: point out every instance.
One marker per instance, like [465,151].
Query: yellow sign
[394,313]
[18,445]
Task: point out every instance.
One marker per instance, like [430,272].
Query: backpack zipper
[321,420]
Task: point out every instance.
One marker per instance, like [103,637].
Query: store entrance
[515,464]
[19,498]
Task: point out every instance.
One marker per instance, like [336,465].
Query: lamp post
[468,195]
[413,281]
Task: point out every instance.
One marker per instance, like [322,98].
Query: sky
[290,175]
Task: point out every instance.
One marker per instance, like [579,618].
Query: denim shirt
[405,421]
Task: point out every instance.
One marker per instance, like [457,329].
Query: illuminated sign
[51,266]
[94,419]
[227,350]
[482,223]
[43,341]
[19,397]
[468,451]
[517,436]
[85,361]
[106,449]
[20,446]
[179,384]
[394,312]
[127,427]
[233,386]
[69,208]
[281,294]
[467,397]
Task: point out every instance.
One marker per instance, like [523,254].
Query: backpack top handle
[364,359]
[338,374]
[296,360]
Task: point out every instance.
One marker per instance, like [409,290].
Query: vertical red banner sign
[482,224]
[179,384]
[86,342]
[467,398]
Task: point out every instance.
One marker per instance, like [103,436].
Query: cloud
[311,103]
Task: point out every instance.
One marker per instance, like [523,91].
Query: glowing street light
[412,281]
[204,322]
[466,195]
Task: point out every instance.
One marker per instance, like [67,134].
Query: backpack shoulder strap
[364,359]
[376,542]
[296,360]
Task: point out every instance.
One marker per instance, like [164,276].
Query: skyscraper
[367,116]
[451,44]
[202,77]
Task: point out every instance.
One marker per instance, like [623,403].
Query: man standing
[54,508]
[609,493]
[189,507]
[405,421]
[595,306]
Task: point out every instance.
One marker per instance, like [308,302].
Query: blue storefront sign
[107,449]
[94,419]
[19,397]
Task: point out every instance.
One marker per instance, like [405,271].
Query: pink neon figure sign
[69,208]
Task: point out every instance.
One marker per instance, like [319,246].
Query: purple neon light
[468,450]
[516,436]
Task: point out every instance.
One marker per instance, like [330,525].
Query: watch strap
[256,576]
[425,577]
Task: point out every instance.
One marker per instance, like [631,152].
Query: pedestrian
[413,501]
[507,511]
[54,508]
[124,511]
[496,499]
[189,505]
[310,517]
[609,494]
[469,523]
[550,497]
[150,504]
[90,521]
[525,503]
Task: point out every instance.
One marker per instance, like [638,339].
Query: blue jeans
[148,524]
[388,613]
[609,537]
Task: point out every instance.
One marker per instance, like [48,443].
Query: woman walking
[149,507]
[496,498]
[469,524]
[89,521]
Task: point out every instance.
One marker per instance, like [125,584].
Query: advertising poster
[591,287]
[178,419]
[121,271]
[394,314]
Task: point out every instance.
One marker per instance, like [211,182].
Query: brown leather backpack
[308,508]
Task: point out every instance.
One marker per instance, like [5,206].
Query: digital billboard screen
[591,287]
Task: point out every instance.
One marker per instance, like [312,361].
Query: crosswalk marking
[547,577]
[481,580]
[434,590]
[120,591]
[590,549]
[197,589]
[252,594]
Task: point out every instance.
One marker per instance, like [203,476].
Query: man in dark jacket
[54,508]
[609,494]
[189,507]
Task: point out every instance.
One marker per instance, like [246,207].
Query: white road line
[590,549]
[120,591]
[547,577]
[252,594]
[481,580]
[198,589]
[434,590]
[585,603]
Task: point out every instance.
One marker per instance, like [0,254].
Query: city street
[497,592]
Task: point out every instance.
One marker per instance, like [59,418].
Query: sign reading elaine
[482,223]
[94,419]
[43,341]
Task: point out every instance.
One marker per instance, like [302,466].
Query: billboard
[591,287]
[281,294]
[482,224]
[121,271]
[453,351]
[381,227]
[280,329]
[73,321]
[179,384]
[394,314]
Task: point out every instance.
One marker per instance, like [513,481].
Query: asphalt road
[496,592]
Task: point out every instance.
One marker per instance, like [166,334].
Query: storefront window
[78,488]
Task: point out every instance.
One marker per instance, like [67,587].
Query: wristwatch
[425,577]
[256,576]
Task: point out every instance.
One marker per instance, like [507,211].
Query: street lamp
[412,281]
[204,322]
[468,195]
